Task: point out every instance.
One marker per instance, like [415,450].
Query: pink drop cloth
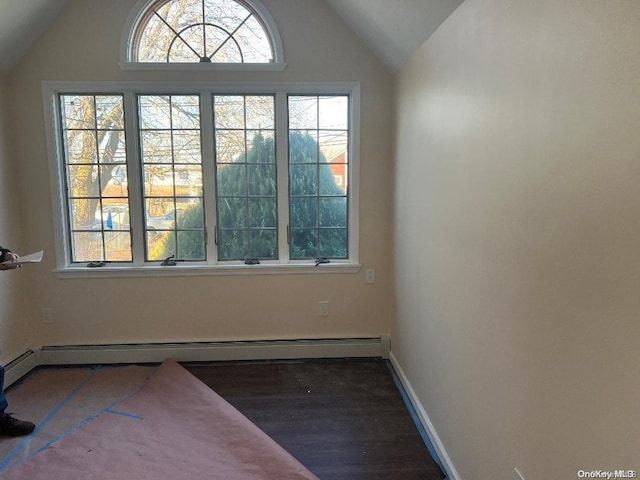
[174,428]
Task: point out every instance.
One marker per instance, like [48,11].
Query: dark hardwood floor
[343,419]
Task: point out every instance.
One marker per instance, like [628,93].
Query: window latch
[320,260]
[251,261]
[169,261]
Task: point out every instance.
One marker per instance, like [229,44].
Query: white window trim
[66,269]
[141,8]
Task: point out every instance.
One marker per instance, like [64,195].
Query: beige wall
[83,44]
[16,313]
[517,233]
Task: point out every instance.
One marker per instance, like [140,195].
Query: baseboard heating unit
[19,367]
[215,351]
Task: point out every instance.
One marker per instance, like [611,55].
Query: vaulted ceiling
[21,23]
[392,29]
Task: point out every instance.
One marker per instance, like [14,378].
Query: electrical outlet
[519,476]
[47,315]
[369,276]
[324,308]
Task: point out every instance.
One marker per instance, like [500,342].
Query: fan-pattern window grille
[205,31]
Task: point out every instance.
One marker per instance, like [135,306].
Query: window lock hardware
[96,264]
[251,261]
[320,260]
[169,261]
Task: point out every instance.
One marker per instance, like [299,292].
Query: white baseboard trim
[19,367]
[447,464]
[216,351]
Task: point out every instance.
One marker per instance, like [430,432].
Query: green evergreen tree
[247,207]
[318,206]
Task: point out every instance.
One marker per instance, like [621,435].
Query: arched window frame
[139,12]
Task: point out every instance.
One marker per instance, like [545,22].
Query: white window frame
[140,9]
[140,268]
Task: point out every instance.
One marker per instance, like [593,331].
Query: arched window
[212,32]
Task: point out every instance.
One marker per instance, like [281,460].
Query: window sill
[204,67]
[205,270]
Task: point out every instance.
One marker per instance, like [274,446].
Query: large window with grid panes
[194,177]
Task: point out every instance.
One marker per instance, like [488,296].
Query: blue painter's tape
[124,414]
[6,462]
[16,451]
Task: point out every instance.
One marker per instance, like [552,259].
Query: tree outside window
[243,218]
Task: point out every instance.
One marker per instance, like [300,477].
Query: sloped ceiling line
[392,29]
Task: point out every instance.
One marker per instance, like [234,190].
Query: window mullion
[208,173]
[134,172]
[354,174]
[282,168]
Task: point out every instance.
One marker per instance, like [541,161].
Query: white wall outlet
[47,315]
[519,476]
[324,308]
[370,276]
